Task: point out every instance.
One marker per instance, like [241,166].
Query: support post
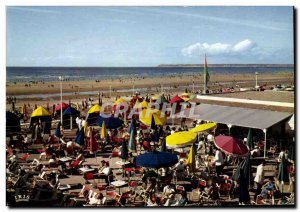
[71,123]
[229,127]
[265,146]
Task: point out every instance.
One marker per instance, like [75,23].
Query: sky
[148,36]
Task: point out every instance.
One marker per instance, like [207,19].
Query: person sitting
[152,201]
[171,201]
[52,162]
[97,199]
[182,201]
[151,186]
[168,190]
[105,173]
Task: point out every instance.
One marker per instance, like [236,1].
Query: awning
[236,116]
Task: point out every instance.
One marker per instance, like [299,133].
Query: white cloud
[218,48]
[243,46]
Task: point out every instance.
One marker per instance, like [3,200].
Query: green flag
[205,74]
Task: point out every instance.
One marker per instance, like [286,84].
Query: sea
[46,74]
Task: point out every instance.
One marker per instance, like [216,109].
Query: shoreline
[74,86]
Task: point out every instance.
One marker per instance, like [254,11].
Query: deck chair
[24,157]
[110,194]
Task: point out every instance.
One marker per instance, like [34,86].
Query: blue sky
[147,36]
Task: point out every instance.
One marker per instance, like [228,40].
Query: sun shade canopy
[237,116]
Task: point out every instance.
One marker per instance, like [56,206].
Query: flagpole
[204,76]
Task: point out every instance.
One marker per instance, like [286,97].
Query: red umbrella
[93,146]
[176,99]
[64,106]
[231,145]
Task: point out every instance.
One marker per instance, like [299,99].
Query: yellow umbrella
[119,101]
[103,131]
[181,139]
[145,116]
[85,128]
[186,99]
[191,162]
[185,95]
[203,127]
[95,109]
[40,111]
[143,104]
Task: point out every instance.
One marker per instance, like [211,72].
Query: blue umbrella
[70,111]
[156,159]
[57,130]
[124,150]
[110,122]
[80,137]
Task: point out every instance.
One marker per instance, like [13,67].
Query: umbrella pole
[71,123]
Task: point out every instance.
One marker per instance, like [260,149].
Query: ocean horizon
[46,74]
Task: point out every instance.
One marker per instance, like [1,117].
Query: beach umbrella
[40,112]
[244,168]
[12,123]
[61,106]
[119,102]
[143,104]
[283,174]
[250,139]
[156,159]
[110,122]
[132,125]
[85,128]
[103,131]
[163,147]
[57,130]
[93,146]
[132,141]
[124,150]
[231,145]
[191,161]
[80,137]
[204,127]
[71,111]
[185,94]
[176,99]
[153,125]
[95,109]
[145,117]
[181,139]
[44,115]
[93,114]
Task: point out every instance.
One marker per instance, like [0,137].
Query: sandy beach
[75,91]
